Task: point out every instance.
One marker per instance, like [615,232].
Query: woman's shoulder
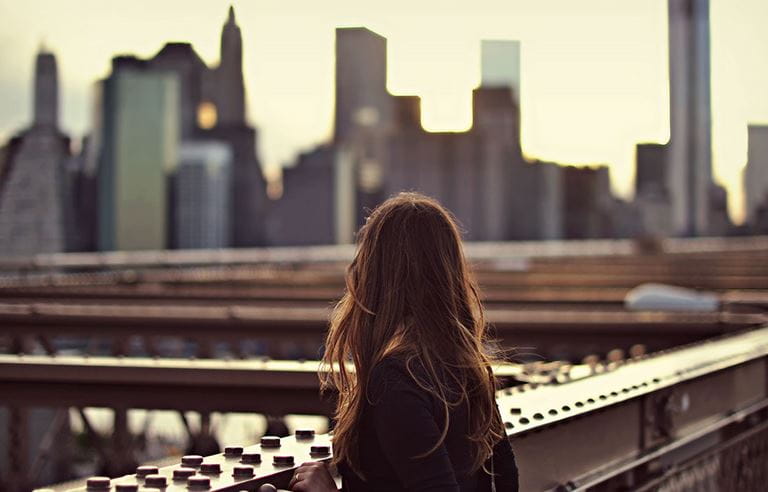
[397,371]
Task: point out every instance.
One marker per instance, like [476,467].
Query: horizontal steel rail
[570,334]
[343,253]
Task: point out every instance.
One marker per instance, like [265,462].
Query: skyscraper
[690,147]
[139,145]
[230,101]
[756,172]
[32,191]
[500,65]
[201,196]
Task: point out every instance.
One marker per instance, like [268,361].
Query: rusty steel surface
[569,334]
[579,433]
[343,253]
[261,386]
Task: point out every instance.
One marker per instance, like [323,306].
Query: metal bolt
[515,411]
[210,468]
[233,451]
[126,487]
[524,421]
[270,442]
[192,460]
[320,450]
[145,470]
[97,483]
[305,434]
[183,473]
[156,481]
[251,458]
[267,487]
[243,471]
[285,460]
[198,482]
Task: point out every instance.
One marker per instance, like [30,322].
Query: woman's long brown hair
[409,291]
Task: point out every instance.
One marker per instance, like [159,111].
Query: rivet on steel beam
[97,483]
[509,425]
[157,481]
[251,458]
[603,397]
[321,450]
[515,411]
[183,473]
[538,416]
[552,411]
[210,468]
[198,482]
[192,460]
[579,404]
[270,442]
[145,470]
[284,460]
[637,350]
[615,355]
[524,421]
[267,487]
[305,434]
[614,393]
[233,451]
[243,472]
[590,400]
[126,487]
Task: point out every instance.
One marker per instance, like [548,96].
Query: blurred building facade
[33,199]
[201,198]
[139,138]
[689,172]
[756,179]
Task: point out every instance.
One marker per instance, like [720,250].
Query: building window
[206,115]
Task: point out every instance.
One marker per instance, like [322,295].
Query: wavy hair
[409,292]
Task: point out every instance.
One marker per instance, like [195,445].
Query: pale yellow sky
[594,72]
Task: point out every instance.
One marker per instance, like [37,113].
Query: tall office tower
[32,191]
[139,138]
[690,152]
[194,78]
[362,121]
[202,195]
[230,89]
[500,65]
[362,100]
[248,186]
[756,173]
[652,196]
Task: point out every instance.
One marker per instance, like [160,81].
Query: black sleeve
[401,413]
[504,467]
[505,472]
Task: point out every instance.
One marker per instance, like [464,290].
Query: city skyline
[562,119]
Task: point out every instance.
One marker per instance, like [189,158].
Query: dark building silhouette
[34,198]
[756,178]
[306,212]
[690,148]
[380,148]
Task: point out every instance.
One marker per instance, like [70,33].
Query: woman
[418,412]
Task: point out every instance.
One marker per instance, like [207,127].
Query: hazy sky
[594,72]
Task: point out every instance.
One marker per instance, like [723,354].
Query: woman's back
[401,423]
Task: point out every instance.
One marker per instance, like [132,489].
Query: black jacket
[402,421]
